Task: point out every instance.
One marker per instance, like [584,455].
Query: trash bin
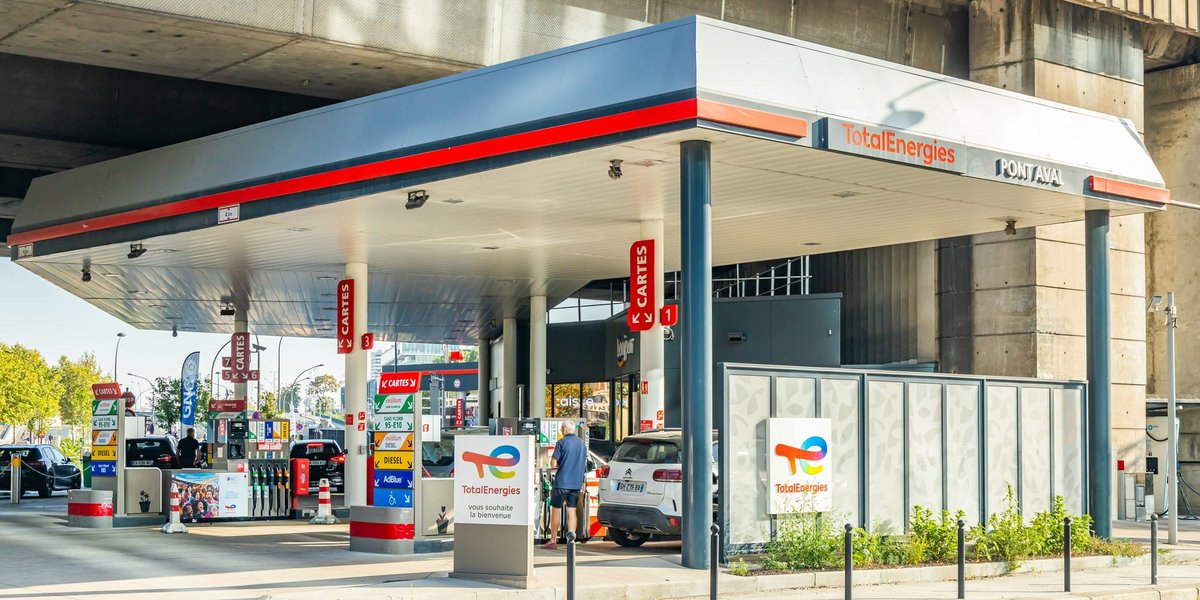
[87,469]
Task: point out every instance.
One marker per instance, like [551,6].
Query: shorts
[560,496]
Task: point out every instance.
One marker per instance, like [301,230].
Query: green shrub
[805,541]
[1004,537]
[938,536]
[882,547]
[1047,530]
[739,568]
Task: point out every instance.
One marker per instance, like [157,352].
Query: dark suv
[325,460]
[152,451]
[43,469]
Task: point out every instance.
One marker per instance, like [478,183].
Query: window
[647,452]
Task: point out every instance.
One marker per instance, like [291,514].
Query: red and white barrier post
[174,525]
[324,514]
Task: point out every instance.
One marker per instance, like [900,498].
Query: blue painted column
[1099,338]
[695,220]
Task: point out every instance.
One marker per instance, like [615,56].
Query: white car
[641,488]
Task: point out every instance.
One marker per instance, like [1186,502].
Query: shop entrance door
[625,400]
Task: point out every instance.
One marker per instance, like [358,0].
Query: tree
[29,390]
[75,377]
[267,406]
[166,402]
[289,398]
[323,387]
[470,355]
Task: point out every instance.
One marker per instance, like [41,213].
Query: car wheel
[628,539]
[47,488]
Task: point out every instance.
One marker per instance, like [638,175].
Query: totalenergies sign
[799,466]
[889,144]
[641,313]
[494,481]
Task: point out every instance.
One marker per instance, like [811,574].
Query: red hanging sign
[368,341]
[669,315]
[345,316]
[640,315]
[458,412]
[239,348]
[106,391]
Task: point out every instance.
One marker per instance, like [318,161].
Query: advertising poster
[493,479]
[800,479]
[207,496]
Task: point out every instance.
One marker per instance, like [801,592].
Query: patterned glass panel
[1068,447]
[1035,451]
[885,443]
[925,445]
[962,450]
[749,408]
[1001,445]
[839,403]
[795,397]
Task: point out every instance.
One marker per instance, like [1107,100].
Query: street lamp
[147,380]
[116,353]
[212,380]
[1172,427]
[258,350]
[297,379]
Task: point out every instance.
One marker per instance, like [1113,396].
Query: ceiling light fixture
[174,331]
[228,311]
[299,229]
[136,249]
[846,194]
[87,274]
[326,277]
[491,247]
[416,199]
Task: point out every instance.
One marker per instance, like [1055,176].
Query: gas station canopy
[814,150]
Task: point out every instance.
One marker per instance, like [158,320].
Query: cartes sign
[640,315]
[345,316]
[239,348]
[799,471]
[399,383]
[493,479]
[106,391]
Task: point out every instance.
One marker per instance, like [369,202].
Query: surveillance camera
[1155,303]
[87,275]
[174,331]
[614,169]
[136,250]
[736,337]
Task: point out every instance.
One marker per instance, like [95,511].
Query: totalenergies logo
[502,456]
[810,451]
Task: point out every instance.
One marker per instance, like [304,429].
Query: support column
[241,324]
[356,392]
[696,319]
[537,356]
[1099,432]
[508,380]
[484,412]
[653,360]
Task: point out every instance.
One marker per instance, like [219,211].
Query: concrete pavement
[40,558]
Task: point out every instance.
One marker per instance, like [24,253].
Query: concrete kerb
[1189,592]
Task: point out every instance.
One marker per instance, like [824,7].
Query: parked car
[152,451]
[326,460]
[641,488]
[43,469]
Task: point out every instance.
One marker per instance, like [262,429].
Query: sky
[38,314]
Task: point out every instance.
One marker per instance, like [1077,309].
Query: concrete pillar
[356,392]
[695,220]
[241,324]
[508,370]
[1172,236]
[537,356]
[1024,293]
[653,356]
[485,382]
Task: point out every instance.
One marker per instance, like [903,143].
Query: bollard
[1066,554]
[1153,549]
[714,554]
[570,565]
[324,514]
[14,480]
[174,525]
[849,550]
[962,559]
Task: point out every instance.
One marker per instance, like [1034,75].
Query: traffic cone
[324,514]
[174,526]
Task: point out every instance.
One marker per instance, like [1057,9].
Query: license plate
[316,463]
[631,487]
[142,463]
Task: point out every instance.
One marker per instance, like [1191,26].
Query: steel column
[696,325]
[1099,433]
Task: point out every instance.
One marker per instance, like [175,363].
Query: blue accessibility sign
[393,498]
[104,468]
[400,480]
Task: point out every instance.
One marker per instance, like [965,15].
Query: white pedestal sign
[801,479]
[493,479]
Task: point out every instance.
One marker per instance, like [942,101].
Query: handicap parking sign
[393,498]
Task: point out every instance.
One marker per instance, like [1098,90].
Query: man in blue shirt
[570,458]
